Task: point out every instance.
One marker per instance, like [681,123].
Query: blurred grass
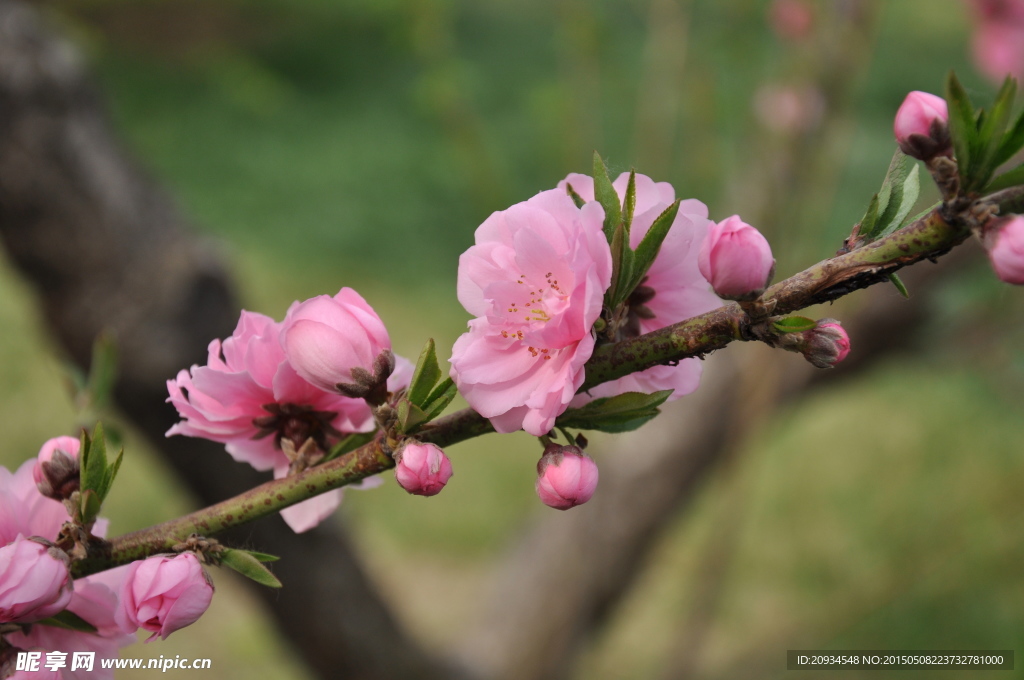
[360,143]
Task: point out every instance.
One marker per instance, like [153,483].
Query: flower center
[297,424]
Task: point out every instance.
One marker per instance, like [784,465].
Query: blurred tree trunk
[107,250]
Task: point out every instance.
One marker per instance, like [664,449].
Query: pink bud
[162,594]
[338,340]
[34,581]
[56,471]
[1004,240]
[736,259]
[922,126]
[827,344]
[566,477]
[422,469]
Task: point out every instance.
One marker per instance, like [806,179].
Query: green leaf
[794,324]
[409,416]
[629,203]
[622,268]
[867,223]
[576,198]
[102,371]
[605,194]
[896,212]
[962,127]
[89,504]
[349,443]
[651,244]
[990,134]
[249,566]
[620,413]
[93,464]
[68,620]
[261,556]
[900,286]
[439,399]
[1012,142]
[426,375]
[112,473]
[1010,178]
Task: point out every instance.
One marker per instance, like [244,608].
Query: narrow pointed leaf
[620,261]
[261,556]
[68,620]
[629,203]
[867,223]
[89,506]
[410,416]
[891,194]
[426,375]
[249,566]
[908,195]
[111,474]
[605,194]
[576,198]
[961,122]
[900,286]
[1012,142]
[620,413]
[990,135]
[94,460]
[1010,178]
[648,249]
[349,443]
[439,399]
[794,324]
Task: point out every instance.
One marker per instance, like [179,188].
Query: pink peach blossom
[34,581]
[674,289]
[422,469]
[535,281]
[249,396]
[26,512]
[1004,241]
[566,477]
[163,594]
[736,259]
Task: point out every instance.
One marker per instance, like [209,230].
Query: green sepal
[900,286]
[621,413]
[794,324]
[95,475]
[249,566]
[576,198]
[425,376]
[962,126]
[348,443]
[68,620]
[605,194]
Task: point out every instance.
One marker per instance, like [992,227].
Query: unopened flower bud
[56,471]
[422,469]
[827,344]
[922,126]
[1004,241]
[736,259]
[566,477]
[163,594]
[336,343]
[34,580]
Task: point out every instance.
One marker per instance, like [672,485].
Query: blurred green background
[329,143]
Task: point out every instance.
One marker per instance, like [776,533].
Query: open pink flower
[674,289]
[535,280]
[34,581]
[164,594]
[250,397]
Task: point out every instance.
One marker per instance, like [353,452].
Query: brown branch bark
[107,250]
